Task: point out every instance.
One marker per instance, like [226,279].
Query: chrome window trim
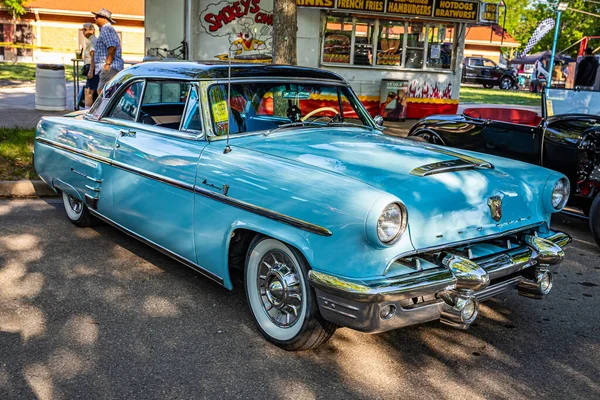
[117,96]
[193,86]
[188,135]
[274,215]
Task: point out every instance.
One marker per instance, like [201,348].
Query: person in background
[107,53]
[91,85]
[585,77]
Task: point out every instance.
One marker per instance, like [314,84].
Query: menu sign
[410,7]
[456,9]
[316,3]
[489,13]
[361,5]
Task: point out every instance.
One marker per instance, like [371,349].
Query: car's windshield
[264,106]
[569,101]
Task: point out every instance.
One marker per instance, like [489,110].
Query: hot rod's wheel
[77,212]
[505,83]
[283,304]
[595,219]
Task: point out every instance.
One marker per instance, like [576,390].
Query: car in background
[565,138]
[280,173]
[487,73]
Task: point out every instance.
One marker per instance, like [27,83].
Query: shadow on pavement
[92,313]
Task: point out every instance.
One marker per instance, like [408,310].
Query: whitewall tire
[283,304]
[77,211]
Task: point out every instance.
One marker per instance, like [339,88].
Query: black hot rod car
[565,138]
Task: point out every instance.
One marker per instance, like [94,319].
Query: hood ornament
[495,204]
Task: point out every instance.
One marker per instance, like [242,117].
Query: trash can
[50,87]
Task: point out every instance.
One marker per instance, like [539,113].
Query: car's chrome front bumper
[446,285]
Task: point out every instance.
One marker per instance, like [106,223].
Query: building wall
[167,27]
[55,38]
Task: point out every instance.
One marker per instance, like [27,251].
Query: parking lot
[92,313]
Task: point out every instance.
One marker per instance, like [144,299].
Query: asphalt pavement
[94,314]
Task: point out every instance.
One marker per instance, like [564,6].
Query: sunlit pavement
[91,313]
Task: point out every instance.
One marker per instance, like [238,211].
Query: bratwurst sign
[457,10]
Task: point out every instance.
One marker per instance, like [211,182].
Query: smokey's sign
[245,26]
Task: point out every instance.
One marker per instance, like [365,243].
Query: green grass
[496,96]
[16,154]
[24,72]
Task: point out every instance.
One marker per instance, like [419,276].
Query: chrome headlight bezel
[380,214]
[562,190]
[556,185]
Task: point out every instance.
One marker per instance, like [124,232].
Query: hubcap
[279,288]
[75,204]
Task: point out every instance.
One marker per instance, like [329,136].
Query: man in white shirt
[91,85]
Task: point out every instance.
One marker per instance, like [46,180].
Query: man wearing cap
[107,52]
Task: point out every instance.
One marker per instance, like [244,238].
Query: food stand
[419,42]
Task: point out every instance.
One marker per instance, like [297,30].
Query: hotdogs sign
[457,10]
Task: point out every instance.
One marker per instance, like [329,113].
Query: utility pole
[285,26]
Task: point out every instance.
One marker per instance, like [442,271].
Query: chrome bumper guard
[447,285]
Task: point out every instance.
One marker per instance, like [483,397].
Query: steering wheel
[586,110]
[313,112]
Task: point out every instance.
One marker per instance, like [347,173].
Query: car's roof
[199,71]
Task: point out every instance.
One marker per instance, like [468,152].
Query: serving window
[380,42]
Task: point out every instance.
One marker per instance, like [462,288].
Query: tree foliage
[15,7]
[523,16]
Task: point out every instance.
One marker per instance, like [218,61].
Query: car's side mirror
[379,121]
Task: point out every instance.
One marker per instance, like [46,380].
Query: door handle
[127,132]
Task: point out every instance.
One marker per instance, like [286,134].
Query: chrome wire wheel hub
[75,205]
[280,289]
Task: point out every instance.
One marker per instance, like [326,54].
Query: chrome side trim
[286,219]
[498,288]
[163,250]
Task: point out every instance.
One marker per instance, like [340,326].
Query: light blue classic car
[280,172]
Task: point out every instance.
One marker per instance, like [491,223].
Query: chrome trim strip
[286,219]
[450,165]
[494,290]
[402,287]
[158,247]
[187,135]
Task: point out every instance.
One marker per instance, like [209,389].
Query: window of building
[363,41]
[338,36]
[440,50]
[388,43]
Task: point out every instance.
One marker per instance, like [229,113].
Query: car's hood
[443,207]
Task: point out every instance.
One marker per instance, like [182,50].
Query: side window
[191,120]
[128,104]
[163,103]
[476,62]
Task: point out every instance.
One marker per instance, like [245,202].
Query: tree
[17,9]
[285,25]
[523,16]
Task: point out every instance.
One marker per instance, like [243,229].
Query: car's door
[520,142]
[487,71]
[471,70]
[155,158]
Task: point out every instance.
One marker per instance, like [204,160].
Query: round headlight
[390,223]
[560,193]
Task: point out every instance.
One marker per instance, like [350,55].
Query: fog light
[469,310]
[387,311]
[545,282]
